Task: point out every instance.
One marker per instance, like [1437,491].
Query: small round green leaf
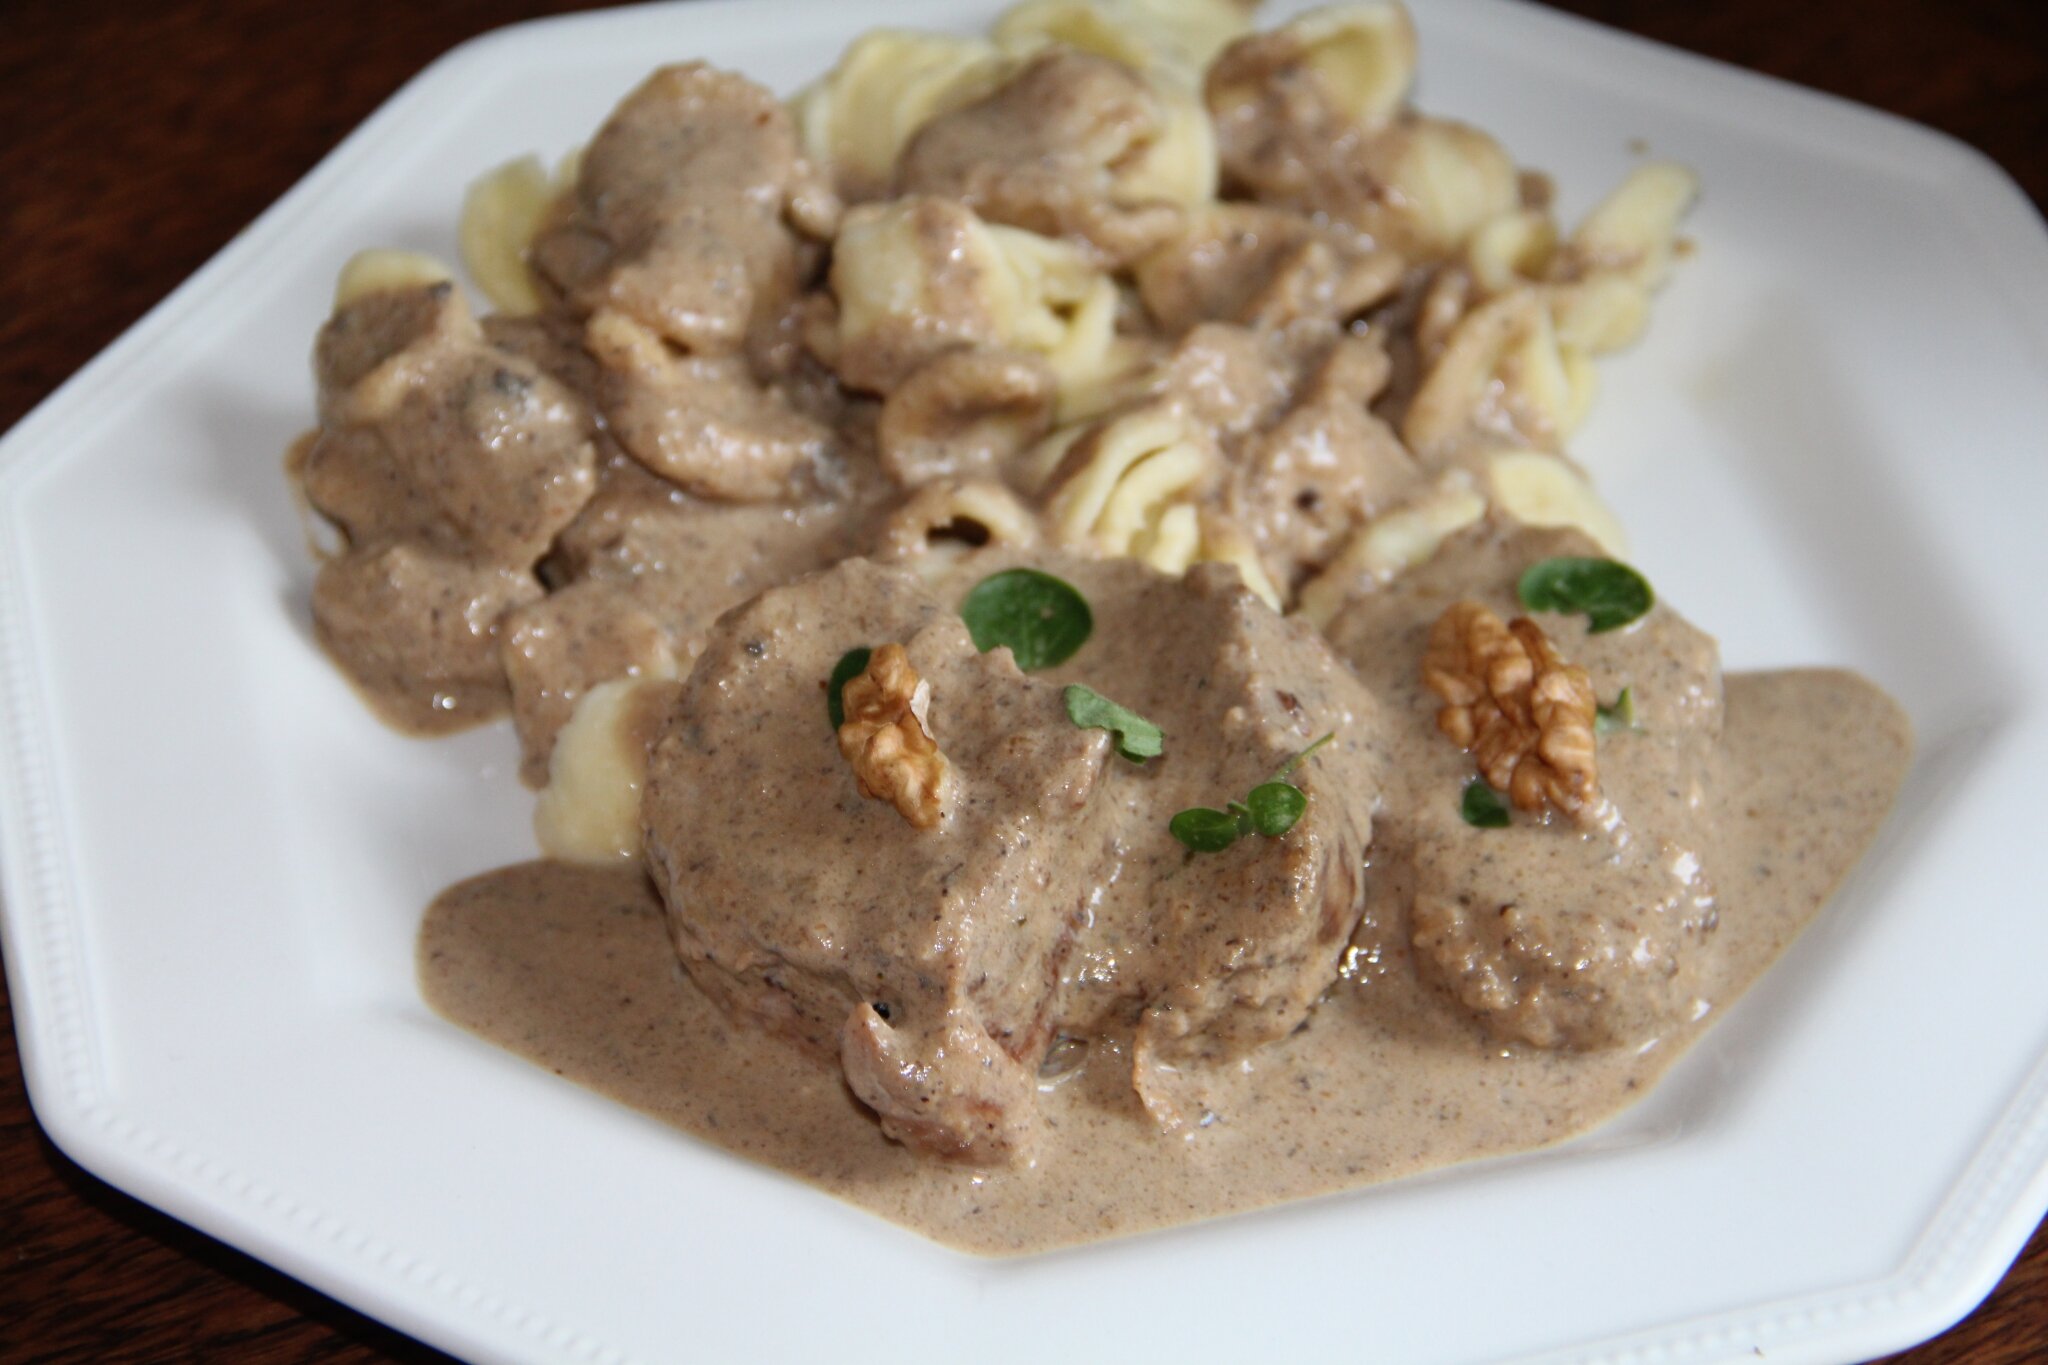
[1618,718]
[1482,806]
[1275,806]
[1042,619]
[1205,830]
[1608,592]
[1136,738]
[851,665]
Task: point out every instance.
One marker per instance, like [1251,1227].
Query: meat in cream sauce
[1418,830]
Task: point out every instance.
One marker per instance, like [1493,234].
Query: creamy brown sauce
[573,969]
[771,391]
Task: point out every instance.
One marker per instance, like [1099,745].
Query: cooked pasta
[918,277]
[589,811]
[1180,36]
[1123,277]
[1115,483]
[1634,230]
[1392,543]
[934,459]
[1501,372]
[1363,53]
[888,84]
[500,214]
[1540,489]
[380,269]
[955,515]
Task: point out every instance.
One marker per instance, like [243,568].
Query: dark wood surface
[136,139]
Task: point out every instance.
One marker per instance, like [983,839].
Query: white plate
[1830,449]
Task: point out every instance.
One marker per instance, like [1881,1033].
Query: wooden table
[139,138]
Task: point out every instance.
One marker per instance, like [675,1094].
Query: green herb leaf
[1271,808]
[1482,806]
[1275,806]
[851,665]
[1205,830]
[1136,738]
[1620,716]
[1608,592]
[1291,764]
[1042,619]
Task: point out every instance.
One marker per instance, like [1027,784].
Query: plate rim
[1957,1257]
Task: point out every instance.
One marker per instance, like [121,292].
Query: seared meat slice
[678,215]
[1043,152]
[640,576]
[1550,931]
[555,650]
[430,434]
[1208,956]
[449,464]
[677,246]
[925,960]
[1050,900]
[1265,267]
[418,631]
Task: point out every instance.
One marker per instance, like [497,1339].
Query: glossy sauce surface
[572,968]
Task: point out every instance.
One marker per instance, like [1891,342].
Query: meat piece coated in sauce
[1051,901]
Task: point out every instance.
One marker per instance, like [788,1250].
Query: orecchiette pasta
[1632,232]
[1508,339]
[1050,299]
[957,513]
[914,278]
[1510,249]
[1117,480]
[964,413]
[918,277]
[379,269]
[1134,484]
[1540,489]
[501,212]
[1603,312]
[887,85]
[589,812]
[1176,539]
[1179,36]
[1361,58]
[1391,543]
[1223,543]
[1443,180]
[1501,373]
[1168,44]
[1178,166]
[1027,27]
[1364,54]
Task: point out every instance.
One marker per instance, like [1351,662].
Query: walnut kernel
[1524,713]
[887,737]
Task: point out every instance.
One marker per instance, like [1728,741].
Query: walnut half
[887,737]
[1524,713]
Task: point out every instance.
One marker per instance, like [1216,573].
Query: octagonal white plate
[1830,449]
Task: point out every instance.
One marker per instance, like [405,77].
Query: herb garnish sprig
[1482,806]
[1606,591]
[1620,717]
[1136,738]
[1269,809]
[1041,619]
[851,665]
